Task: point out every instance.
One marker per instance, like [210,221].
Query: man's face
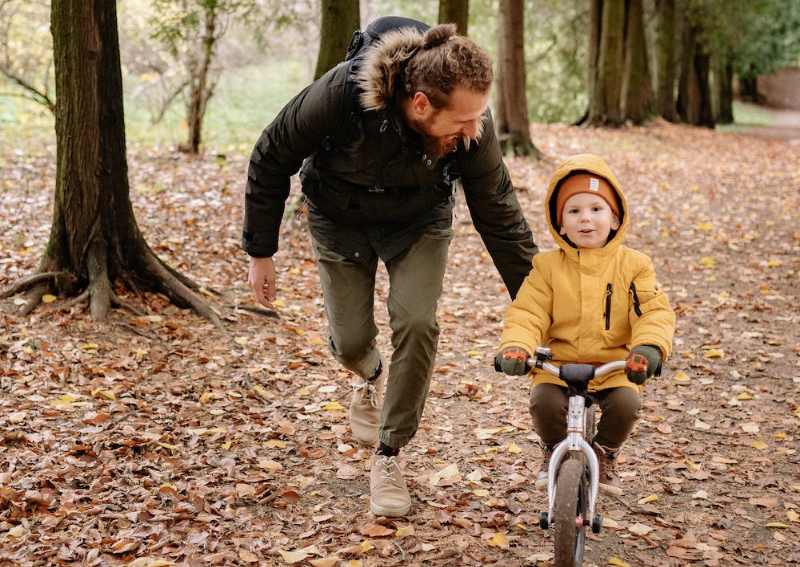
[442,129]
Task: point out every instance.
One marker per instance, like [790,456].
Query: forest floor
[149,441]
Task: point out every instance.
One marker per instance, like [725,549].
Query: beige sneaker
[365,407]
[388,494]
[610,483]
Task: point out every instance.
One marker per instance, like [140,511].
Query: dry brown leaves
[147,441]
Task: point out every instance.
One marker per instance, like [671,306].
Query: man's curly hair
[444,61]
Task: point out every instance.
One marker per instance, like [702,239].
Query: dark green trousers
[415,286]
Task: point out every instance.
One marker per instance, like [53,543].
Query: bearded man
[381,140]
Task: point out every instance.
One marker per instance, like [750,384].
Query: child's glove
[642,363]
[512,360]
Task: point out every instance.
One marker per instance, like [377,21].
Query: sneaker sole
[389,512]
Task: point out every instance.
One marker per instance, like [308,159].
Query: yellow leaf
[366,546]
[780,436]
[498,540]
[774,263]
[759,445]
[513,448]
[241,340]
[648,499]
[665,233]
[205,397]
[294,272]
[744,396]
[480,492]
[618,562]
[167,446]
[705,227]
[682,377]
[778,525]
[275,444]
[227,445]
[160,563]
[708,262]
[299,331]
[88,346]
[332,406]
[139,354]
[317,341]
[793,516]
[260,390]
[404,531]
[475,354]
[47,298]
[63,400]
[278,303]
[293,556]
[16,531]
[105,393]
[713,353]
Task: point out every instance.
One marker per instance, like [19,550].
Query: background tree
[94,238]
[665,60]
[512,106]
[605,96]
[340,18]
[637,92]
[26,51]
[456,12]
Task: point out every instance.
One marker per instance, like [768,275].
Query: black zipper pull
[609,289]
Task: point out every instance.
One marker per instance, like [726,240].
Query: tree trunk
[515,133]
[200,89]
[604,99]
[455,12]
[94,238]
[748,89]
[694,97]
[637,94]
[595,25]
[724,83]
[340,18]
[665,75]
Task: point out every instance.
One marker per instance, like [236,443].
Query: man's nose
[470,131]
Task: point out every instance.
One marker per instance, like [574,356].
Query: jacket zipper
[609,289]
[636,306]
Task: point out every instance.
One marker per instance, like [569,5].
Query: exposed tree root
[75,300]
[25,283]
[33,299]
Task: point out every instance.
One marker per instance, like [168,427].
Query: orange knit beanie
[584,183]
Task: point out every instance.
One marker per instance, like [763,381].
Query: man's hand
[641,363]
[512,360]
[262,280]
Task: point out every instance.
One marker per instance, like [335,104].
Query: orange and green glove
[642,363]
[512,360]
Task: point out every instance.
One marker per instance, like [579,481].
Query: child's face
[587,220]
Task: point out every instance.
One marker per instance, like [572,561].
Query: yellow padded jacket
[589,305]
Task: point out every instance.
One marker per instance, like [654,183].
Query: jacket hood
[594,165]
[383,66]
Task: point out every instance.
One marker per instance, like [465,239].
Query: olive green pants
[415,285]
[619,412]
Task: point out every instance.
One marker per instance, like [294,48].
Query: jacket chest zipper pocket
[607,315]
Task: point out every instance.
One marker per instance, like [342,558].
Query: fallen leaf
[498,540]
[640,529]
[714,353]
[48,298]
[447,475]
[618,562]
[404,531]
[648,499]
[375,530]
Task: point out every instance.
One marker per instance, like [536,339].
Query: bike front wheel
[569,513]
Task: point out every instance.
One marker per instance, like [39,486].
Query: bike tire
[570,509]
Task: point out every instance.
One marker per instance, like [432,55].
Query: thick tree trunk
[94,238]
[637,94]
[340,18]
[665,75]
[455,12]
[748,89]
[515,133]
[604,99]
[694,97]
[723,72]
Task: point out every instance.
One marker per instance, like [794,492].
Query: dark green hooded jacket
[370,187]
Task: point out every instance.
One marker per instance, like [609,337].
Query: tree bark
[455,12]
[637,94]
[340,18]
[94,238]
[665,75]
[694,96]
[513,128]
[723,72]
[200,88]
[604,99]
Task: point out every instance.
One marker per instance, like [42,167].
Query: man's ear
[614,221]
[421,104]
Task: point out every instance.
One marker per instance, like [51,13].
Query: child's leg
[548,409]
[620,412]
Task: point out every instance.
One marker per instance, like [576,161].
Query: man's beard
[435,146]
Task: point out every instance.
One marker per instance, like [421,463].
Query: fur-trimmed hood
[384,66]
